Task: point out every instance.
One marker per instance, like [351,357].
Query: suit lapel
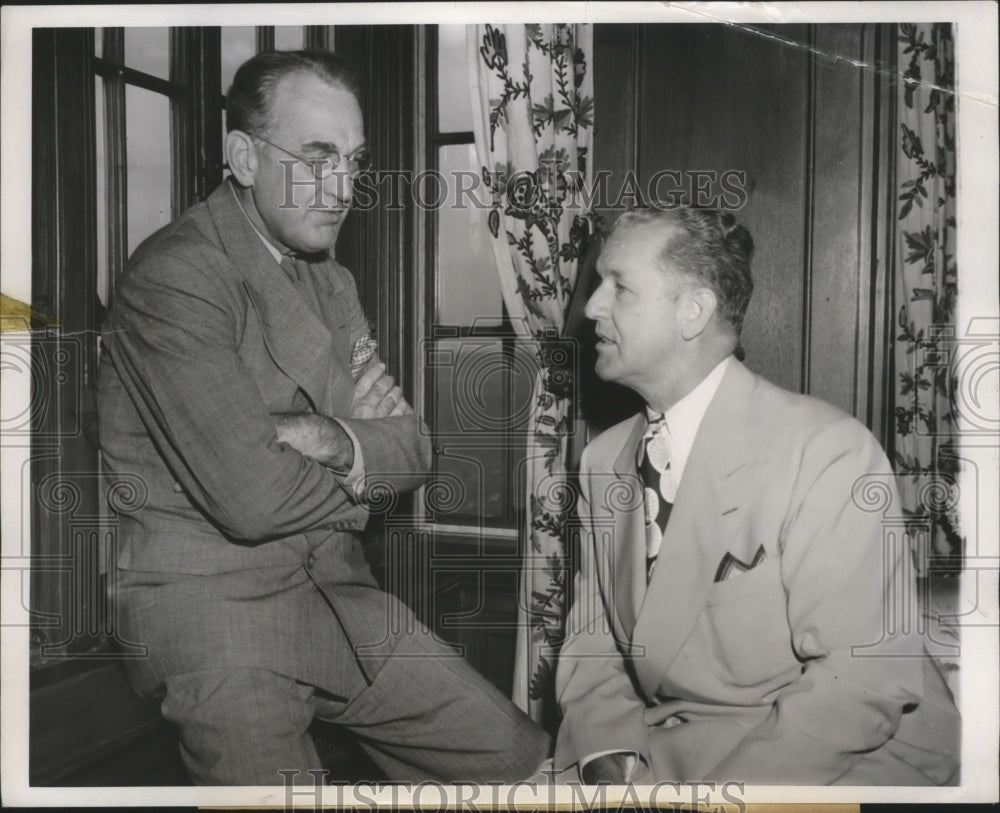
[340,382]
[299,343]
[705,520]
[628,556]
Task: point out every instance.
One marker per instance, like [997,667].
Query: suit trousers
[428,715]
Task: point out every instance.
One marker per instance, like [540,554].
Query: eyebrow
[328,148]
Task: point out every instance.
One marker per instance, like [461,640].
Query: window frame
[72,621]
[432,140]
[195,134]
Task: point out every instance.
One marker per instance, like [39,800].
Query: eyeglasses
[322,168]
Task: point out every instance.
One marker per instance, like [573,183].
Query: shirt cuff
[630,772]
[355,478]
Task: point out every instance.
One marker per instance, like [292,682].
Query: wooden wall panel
[617,92]
[837,229]
[800,110]
[720,98]
[847,334]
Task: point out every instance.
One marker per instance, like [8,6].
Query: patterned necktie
[658,485]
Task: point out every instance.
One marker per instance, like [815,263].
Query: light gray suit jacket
[769,646]
[225,534]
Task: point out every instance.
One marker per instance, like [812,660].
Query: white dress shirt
[683,419]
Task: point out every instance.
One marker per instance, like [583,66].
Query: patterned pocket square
[730,567]
[362,352]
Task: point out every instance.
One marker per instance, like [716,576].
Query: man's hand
[615,769]
[376,396]
[318,437]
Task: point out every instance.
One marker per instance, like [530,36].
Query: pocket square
[362,352]
[731,566]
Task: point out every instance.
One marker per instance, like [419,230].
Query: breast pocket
[748,619]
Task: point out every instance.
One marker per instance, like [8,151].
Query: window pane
[147,144]
[471,383]
[470,380]
[103,283]
[238,45]
[470,482]
[454,96]
[468,287]
[480,411]
[148,50]
[287,37]
[98,41]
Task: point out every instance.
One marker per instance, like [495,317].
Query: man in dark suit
[229,403]
[740,614]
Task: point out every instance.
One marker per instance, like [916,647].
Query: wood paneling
[802,114]
[720,98]
[617,93]
[845,272]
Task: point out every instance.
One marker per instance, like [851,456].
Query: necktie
[297,270]
[658,485]
[292,266]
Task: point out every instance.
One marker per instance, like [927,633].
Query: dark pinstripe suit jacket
[225,534]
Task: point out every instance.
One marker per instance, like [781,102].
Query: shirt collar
[267,243]
[684,418]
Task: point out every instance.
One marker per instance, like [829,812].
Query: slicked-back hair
[708,246]
[249,100]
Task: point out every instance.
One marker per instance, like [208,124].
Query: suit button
[311,561]
[177,487]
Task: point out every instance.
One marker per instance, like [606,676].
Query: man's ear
[697,311]
[241,156]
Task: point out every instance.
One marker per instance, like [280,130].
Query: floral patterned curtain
[533,118]
[926,283]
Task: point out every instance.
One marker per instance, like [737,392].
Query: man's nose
[596,304]
[340,185]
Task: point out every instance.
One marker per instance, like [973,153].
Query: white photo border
[978,185]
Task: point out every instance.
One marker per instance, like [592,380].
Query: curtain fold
[925,289]
[532,93]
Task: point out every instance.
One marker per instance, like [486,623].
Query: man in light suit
[740,608]
[242,449]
